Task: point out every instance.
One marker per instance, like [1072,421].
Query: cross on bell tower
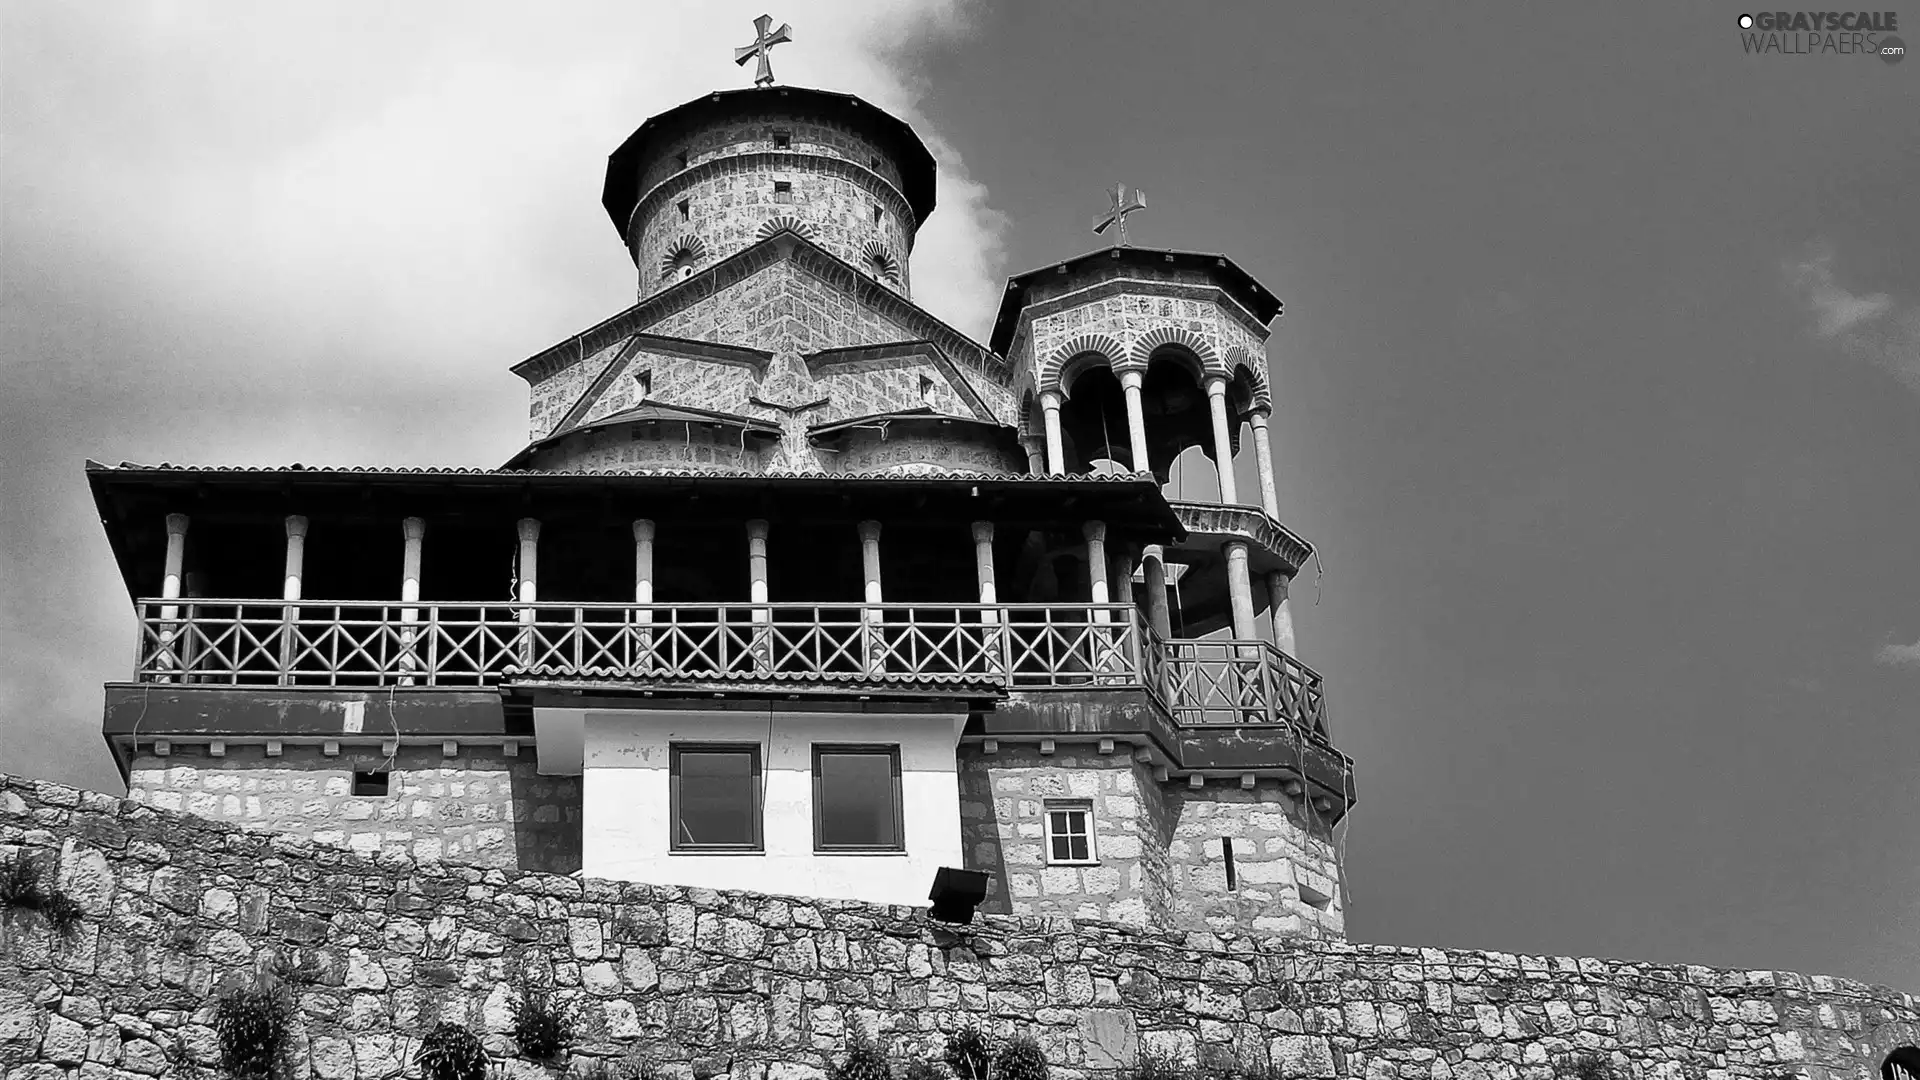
[1124,203]
[763,42]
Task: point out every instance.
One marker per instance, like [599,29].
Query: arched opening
[1093,420]
[1903,1063]
[1179,428]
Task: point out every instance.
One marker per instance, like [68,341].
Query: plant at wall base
[1020,1059]
[1588,1066]
[451,1052]
[1158,1065]
[251,1022]
[969,1053]
[922,1069]
[24,886]
[864,1060]
[542,1023]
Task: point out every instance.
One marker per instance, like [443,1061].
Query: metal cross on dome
[1124,203]
[762,42]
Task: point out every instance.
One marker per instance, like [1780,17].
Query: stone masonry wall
[764,988]
[479,807]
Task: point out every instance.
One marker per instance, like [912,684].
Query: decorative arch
[783,223]
[1029,419]
[1054,369]
[1245,371]
[1903,1063]
[880,262]
[1161,336]
[682,256]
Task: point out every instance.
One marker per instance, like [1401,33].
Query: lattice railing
[1242,682]
[1014,646]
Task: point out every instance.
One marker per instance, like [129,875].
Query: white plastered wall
[625,802]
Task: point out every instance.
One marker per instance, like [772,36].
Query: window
[1070,831]
[783,140]
[783,187]
[1226,855]
[370,783]
[715,797]
[856,799]
[876,213]
[686,209]
[680,159]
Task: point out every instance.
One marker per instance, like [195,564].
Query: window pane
[1067,835]
[856,800]
[717,797]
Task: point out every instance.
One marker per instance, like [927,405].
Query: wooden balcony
[979,648]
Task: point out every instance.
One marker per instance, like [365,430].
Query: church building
[793,587]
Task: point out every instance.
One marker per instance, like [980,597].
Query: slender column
[166,659]
[1130,383]
[1096,534]
[1263,446]
[871,616]
[1159,612]
[529,582]
[1124,559]
[1282,611]
[983,563]
[1222,440]
[1036,448]
[643,533]
[1056,454]
[1240,590]
[412,531]
[290,591]
[757,592]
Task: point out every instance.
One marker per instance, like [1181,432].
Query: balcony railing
[1011,646]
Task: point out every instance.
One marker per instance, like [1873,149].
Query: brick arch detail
[1201,348]
[1239,359]
[784,223]
[1054,369]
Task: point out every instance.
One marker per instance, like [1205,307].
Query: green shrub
[968,1053]
[542,1023]
[251,1022]
[1020,1059]
[864,1060]
[1158,1065]
[24,886]
[922,1069]
[451,1052]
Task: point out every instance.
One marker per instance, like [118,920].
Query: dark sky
[1598,387]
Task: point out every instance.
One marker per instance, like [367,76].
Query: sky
[1598,387]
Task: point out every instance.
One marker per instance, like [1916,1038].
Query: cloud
[1875,327]
[1899,655]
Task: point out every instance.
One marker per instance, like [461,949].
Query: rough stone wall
[763,988]
[551,397]
[664,445]
[1161,862]
[783,309]
[1275,852]
[1128,313]
[754,133]
[479,807]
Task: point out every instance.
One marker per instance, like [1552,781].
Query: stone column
[290,591]
[1130,383]
[165,658]
[1240,590]
[412,531]
[1281,609]
[872,621]
[991,644]
[1096,534]
[1159,612]
[529,583]
[1036,448]
[643,589]
[1222,440]
[762,617]
[1056,453]
[1263,446]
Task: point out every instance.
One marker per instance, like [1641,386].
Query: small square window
[782,140]
[686,209]
[783,187]
[874,162]
[1226,856]
[1070,831]
[370,783]
[715,797]
[876,214]
[680,159]
[856,799]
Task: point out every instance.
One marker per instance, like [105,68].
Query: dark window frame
[1084,807]
[892,752]
[782,139]
[380,780]
[756,777]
